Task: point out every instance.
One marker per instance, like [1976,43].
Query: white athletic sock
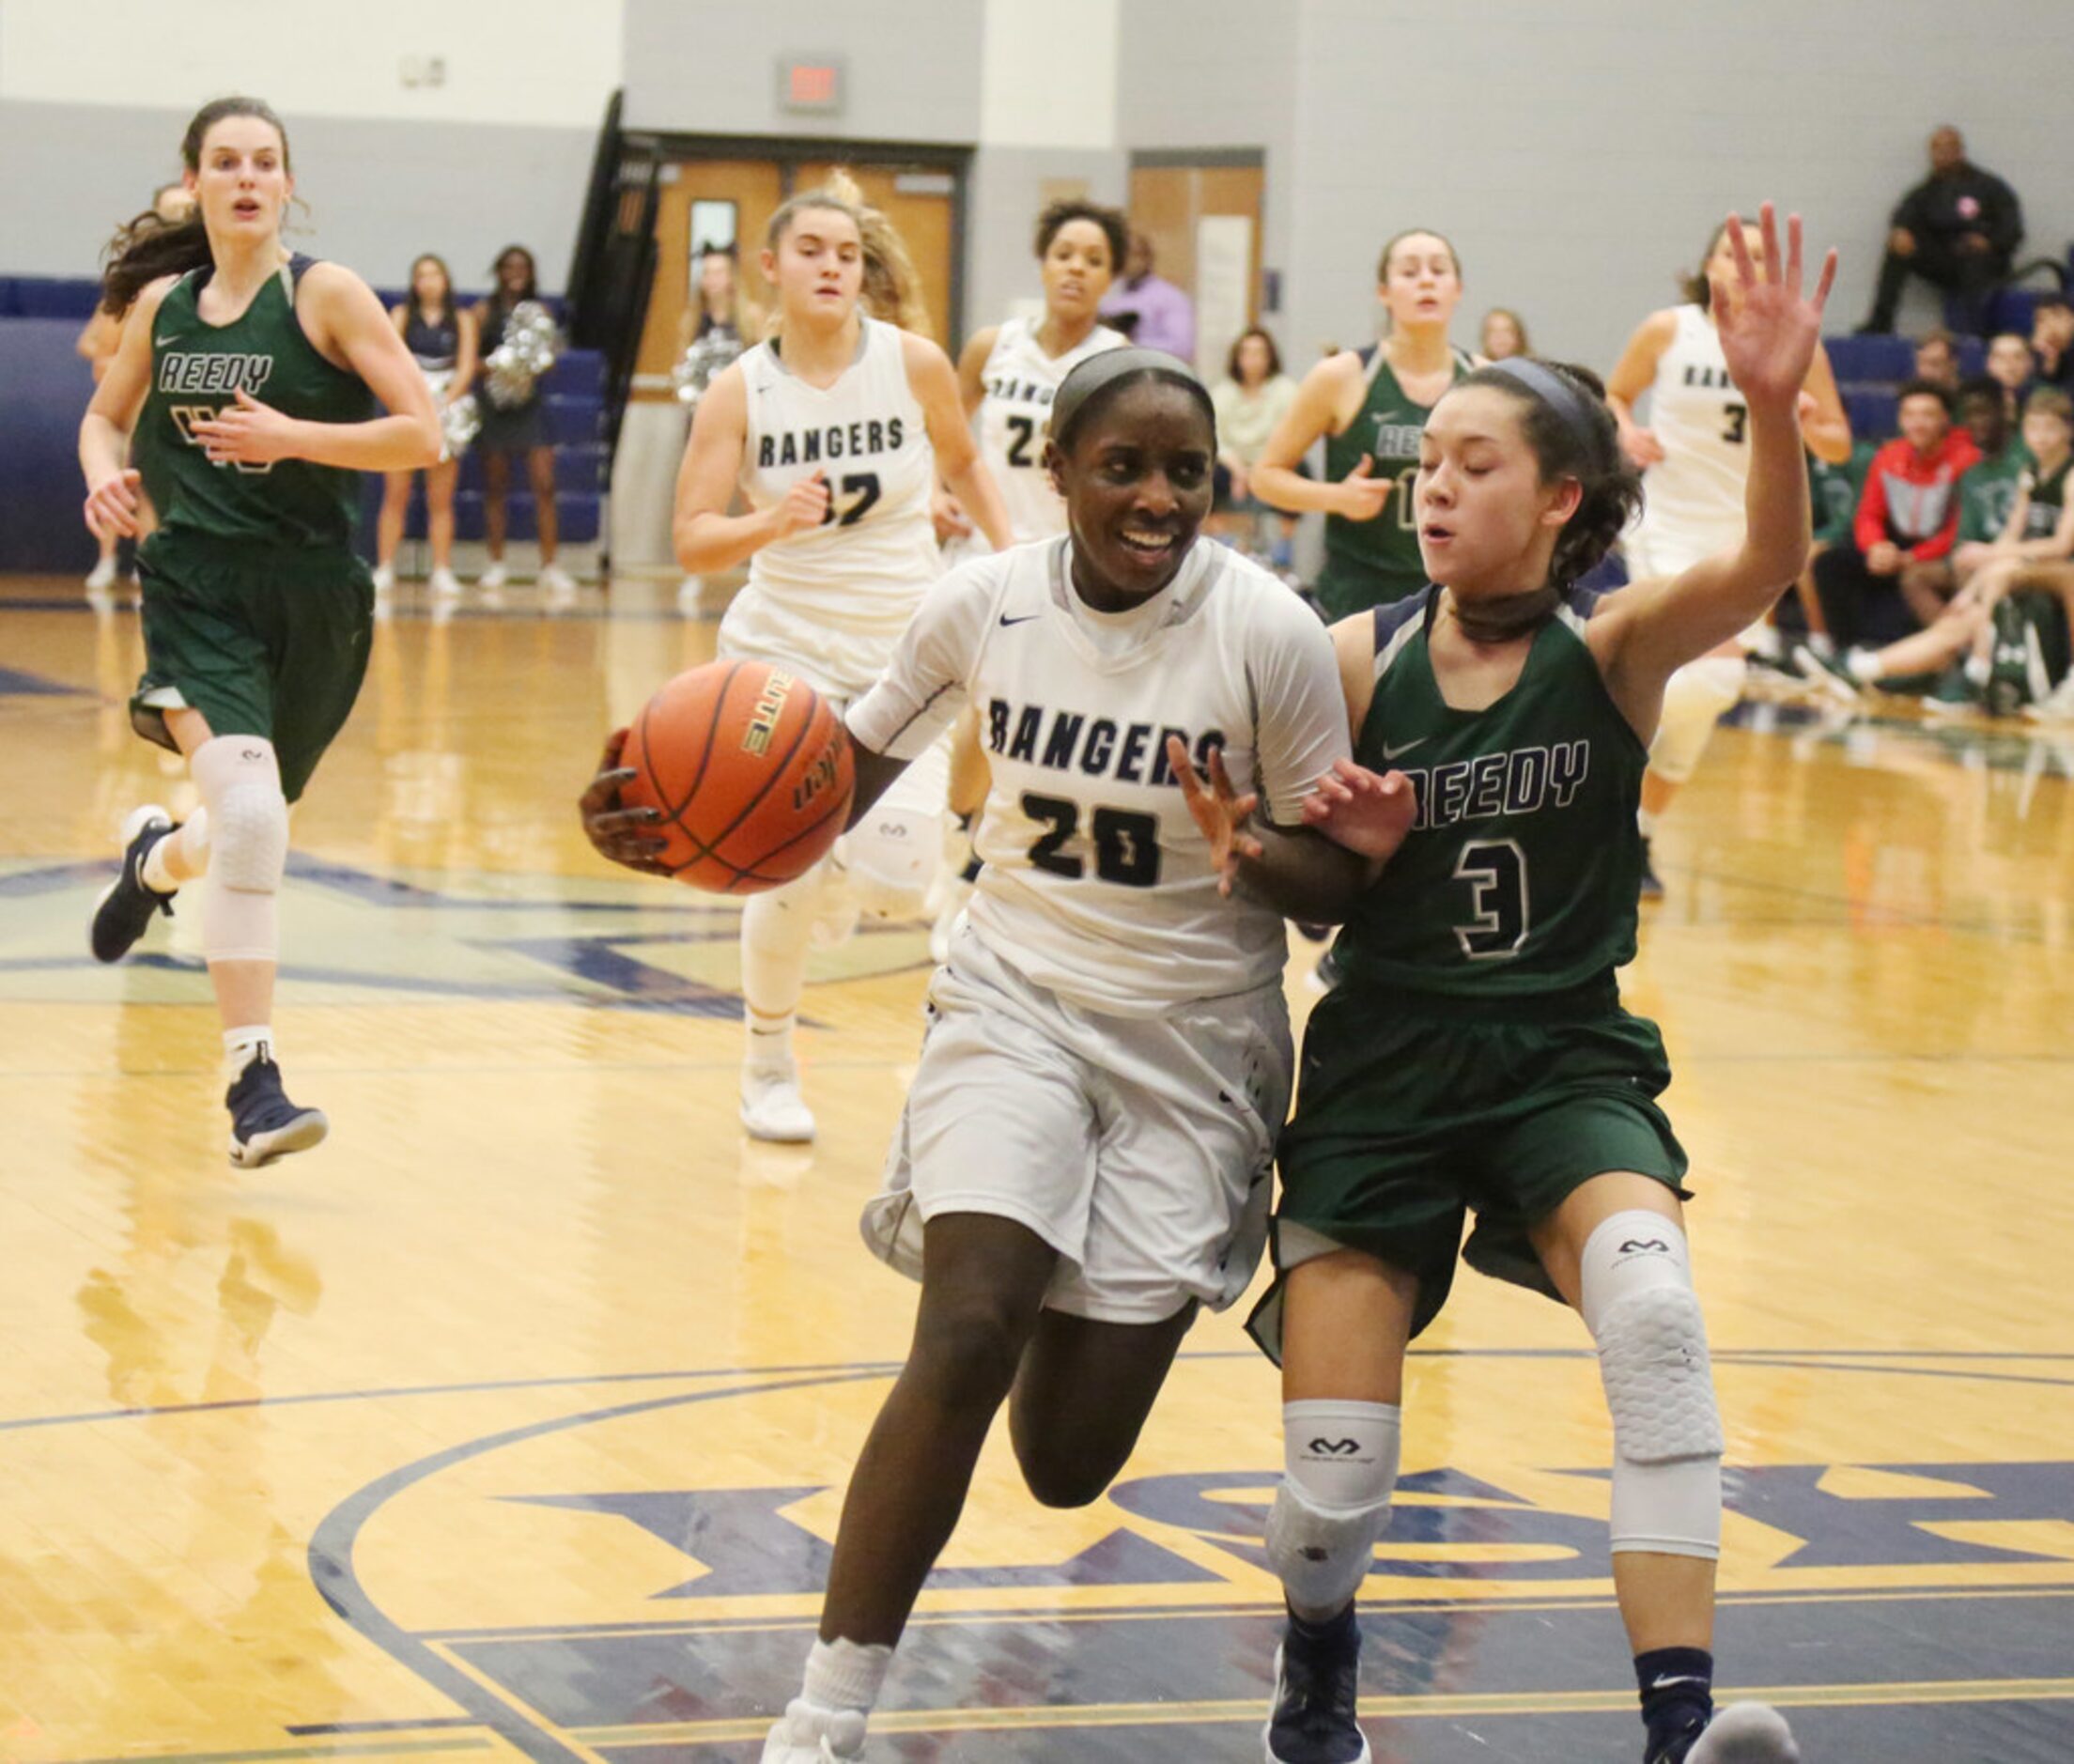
[1645,822]
[845,1675]
[241,1047]
[769,1049]
[190,839]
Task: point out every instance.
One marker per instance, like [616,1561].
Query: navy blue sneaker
[1317,1675]
[264,1125]
[126,906]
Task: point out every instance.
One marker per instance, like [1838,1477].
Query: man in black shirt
[1957,228]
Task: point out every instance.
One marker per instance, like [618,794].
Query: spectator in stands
[1989,491]
[2052,341]
[1937,359]
[1252,397]
[2010,364]
[1148,309]
[521,430]
[1833,493]
[1956,229]
[1906,515]
[1503,336]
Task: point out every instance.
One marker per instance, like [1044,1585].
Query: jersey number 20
[1495,870]
[1126,845]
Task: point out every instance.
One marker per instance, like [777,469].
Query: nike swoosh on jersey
[162,342]
[1024,619]
[1390,753]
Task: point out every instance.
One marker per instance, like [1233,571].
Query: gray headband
[1556,390]
[1097,373]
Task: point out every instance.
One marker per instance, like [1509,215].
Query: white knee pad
[239,780]
[1340,1470]
[892,855]
[1696,698]
[1642,1312]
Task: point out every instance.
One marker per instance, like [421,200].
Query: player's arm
[707,539]
[935,388]
[1326,398]
[346,326]
[112,504]
[1824,424]
[1769,337]
[972,369]
[1632,375]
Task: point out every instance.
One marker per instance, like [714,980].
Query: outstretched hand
[1220,812]
[1369,814]
[614,830]
[1769,327]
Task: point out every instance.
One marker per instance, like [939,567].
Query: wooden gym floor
[514,1420]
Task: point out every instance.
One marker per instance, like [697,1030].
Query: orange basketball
[751,768]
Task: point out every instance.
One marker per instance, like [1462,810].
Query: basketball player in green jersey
[1368,405]
[1476,1058]
[247,382]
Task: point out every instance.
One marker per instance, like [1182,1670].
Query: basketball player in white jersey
[833,431]
[1696,457]
[1083,1158]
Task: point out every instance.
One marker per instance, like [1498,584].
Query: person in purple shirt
[1151,311]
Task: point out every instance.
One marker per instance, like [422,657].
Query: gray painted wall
[709,66]
[378,192]
[1005,195]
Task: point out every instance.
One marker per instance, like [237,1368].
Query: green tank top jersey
[196,369]
[2048,495]
[1987,491]
[1520,876]
[1374,562]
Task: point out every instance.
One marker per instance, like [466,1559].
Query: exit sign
[812,83]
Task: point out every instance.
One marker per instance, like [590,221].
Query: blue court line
[331,1569]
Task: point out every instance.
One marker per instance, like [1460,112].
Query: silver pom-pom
[701,363]
[526,351]
[460,419]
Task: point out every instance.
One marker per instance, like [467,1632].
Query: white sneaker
[2057,705]
[558,586]
[806,1735]
[492,578]
[772,1108]
[102,577]
[1745,1733]
[444,585]
[386,577]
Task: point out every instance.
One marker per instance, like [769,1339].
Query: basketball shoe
[1317,1674]
[1743,1733]
[808,1735]
[126,905]
[264,1125]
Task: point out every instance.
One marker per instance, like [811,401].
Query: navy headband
[1092,377]
[1556,390]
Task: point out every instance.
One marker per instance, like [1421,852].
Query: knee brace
[1338,1472]
[892,856]
[239,780]
[1696,698]
[1642,1312]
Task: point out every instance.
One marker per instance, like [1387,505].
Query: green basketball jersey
[1834,491]
[1986,493]
[1520,873]
[1374,562]
[2048,494]
[196,369]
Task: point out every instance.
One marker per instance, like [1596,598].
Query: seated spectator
[1908,516]
[1833,498]
[2011,366]
[1958,230]
[1148,309]
[1937,359]
[2052,341]
[2031,556]
[1254,395]
[1503,335]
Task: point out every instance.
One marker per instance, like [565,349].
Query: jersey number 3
[1495,870]
[1126,845]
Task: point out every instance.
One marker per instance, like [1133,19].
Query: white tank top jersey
[1097,884]
[1692,499]
[865,568]
[1021,380]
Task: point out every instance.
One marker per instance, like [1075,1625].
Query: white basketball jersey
[1097,884]
[1021,380]
[864,570]
[1693,503]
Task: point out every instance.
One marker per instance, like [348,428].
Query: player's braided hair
[1574,439]
[148,248]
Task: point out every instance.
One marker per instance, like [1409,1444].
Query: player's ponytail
[1564,416]
[148,248]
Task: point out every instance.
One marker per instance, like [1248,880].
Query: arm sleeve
[1300,712]
[926,683]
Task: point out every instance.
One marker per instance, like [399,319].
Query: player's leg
[496,514]
[1616,1250]
[777,934]
[1081,1398]
[1696,698]
[555,581]
[1929,651]
[440,483]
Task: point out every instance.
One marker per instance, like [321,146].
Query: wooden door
[1168,204]
[755,187]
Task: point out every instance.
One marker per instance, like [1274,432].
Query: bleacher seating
[44,386]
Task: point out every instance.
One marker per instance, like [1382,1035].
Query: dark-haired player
[247,382]
[1475,1057]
